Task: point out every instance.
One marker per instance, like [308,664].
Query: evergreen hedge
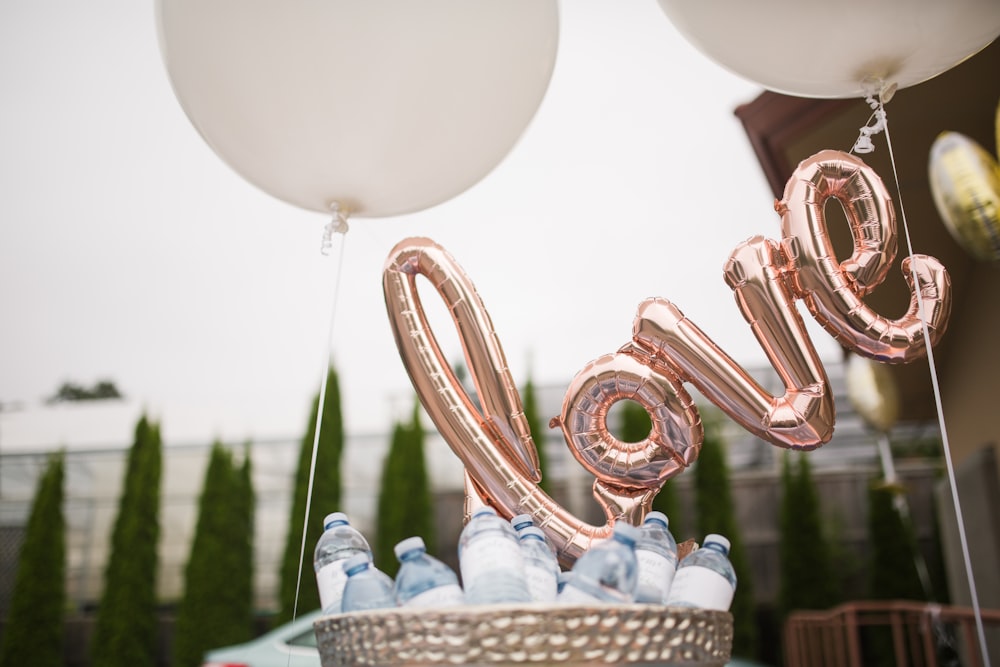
[405,501]
[808,577]
[34,631]
[326,493]
[716,514]
[126,630]
[217,607]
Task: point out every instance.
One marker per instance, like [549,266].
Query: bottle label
[448,595]
[542,583]
[656,572]
[696,586]
[331,580]
[487,554]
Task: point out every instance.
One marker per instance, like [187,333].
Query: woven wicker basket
[541,634]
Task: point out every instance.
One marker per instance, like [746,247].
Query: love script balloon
[667,350]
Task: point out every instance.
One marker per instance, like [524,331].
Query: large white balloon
[382,106]
[810,48]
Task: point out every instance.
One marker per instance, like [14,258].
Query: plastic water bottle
[540,566]
[656,553]
[564,577]
[705,578]
[522,521]
[338,542]
[607,572]
[367,586]
[423,580]
[489,557]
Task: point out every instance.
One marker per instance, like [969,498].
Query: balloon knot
[337,225]
[876,98]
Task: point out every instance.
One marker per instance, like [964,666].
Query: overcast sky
[129,251]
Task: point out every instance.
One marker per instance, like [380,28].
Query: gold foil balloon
[965,184]
[872,391]
[667,350]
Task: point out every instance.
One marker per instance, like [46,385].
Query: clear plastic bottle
[564,577]
[540,566]
[705,578]
[489,557]
[338,542]
[522,521]
[607,572]
[656,553]
[423,580]
[367,586]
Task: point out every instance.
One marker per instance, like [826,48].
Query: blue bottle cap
[356,563]
[657,517]
[409,544]
[625,532]
[720,541]
[335,518]
[531,532]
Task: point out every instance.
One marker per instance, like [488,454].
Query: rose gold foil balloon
[832,290]
[667,350]
[496,446]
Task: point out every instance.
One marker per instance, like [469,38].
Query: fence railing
[887,632]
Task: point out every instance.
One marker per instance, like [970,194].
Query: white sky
[129,251]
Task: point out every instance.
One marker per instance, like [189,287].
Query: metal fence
[891,632]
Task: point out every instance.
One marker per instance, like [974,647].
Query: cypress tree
[635,426]
[127,625]
[405,502]
[325,499]
[530,404]
[716,514]
[243,521]
[35,624]
[893,570]
[808,577]
[215,609]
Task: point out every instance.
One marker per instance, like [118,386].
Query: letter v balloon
[377,107]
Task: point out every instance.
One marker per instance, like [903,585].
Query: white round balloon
[810,48]
[381,106]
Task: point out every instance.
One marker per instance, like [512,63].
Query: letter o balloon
[382,107]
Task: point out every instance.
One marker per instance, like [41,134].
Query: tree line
[217,605]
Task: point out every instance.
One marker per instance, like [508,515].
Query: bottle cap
[356,563]
[657,517]
[336,517]
[718,540]
[409,544]
[625,532]
[531,532]
[522,521]
[486,509]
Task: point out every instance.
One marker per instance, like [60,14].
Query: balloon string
[337,225]
[940,410]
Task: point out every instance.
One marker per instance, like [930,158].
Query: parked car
[290,645]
